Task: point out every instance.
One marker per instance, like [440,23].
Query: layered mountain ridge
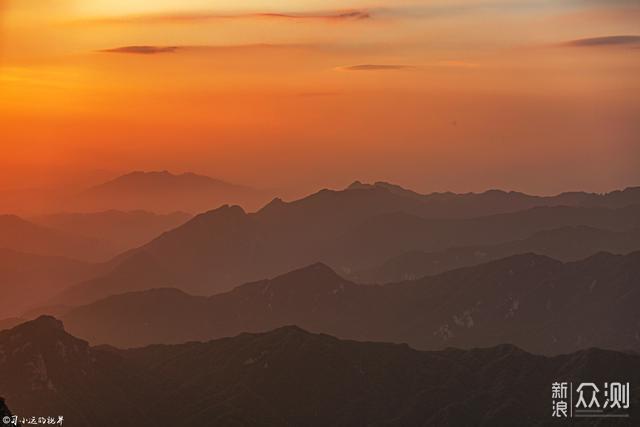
[351,230]
[289,376]
[538,303]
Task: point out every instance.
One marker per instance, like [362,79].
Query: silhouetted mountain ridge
[142,181]
[379,238]
[163,191]
[536,302]
[450,204]
[291,377]
[565,244]
[350,230]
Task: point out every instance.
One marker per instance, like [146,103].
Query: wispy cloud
[152,50]
[143,50]
[330,16]
[376,67]
[349,15]
[624,40]
[395,67]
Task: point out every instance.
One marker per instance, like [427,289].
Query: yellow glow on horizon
[119,7]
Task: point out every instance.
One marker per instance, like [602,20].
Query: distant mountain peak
[164,175]
[221,217]
[312,278]
[274,205]
[165,191]
[287,330]
[358,185]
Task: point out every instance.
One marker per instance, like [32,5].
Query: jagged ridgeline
[288,376]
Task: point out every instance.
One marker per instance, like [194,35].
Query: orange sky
[533,95]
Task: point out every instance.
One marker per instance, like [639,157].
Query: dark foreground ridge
[290,377]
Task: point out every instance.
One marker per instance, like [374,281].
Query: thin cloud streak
[152,50]
[143,50]
[396,67]
[624,40]
[329,16]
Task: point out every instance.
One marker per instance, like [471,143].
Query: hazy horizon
[83,181]
[539,97]
[57,194]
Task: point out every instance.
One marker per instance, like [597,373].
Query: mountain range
[535,302]
[291,377]
[191,323]
[165,192]
[468,205]
[40,260]
[570,243]
[350,230]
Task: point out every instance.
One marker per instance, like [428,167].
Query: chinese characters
[588,399]
[14,420]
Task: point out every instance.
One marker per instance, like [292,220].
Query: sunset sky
[533,95]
